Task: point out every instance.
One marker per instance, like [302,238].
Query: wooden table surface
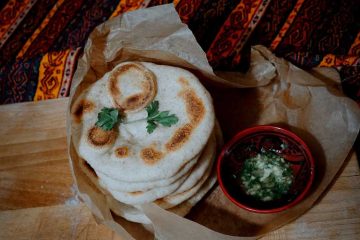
[36,187]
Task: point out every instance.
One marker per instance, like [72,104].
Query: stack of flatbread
[171,166]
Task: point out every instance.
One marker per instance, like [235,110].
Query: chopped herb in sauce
[266,176]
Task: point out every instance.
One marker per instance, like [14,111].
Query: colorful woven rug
[41,40]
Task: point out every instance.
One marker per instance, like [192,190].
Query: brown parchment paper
[273,91]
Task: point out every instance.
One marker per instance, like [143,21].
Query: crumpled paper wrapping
[273,91]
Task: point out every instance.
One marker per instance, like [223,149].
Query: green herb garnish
[155,117]
[107,118]
[266,176]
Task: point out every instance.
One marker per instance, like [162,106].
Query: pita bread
[185,207]
[130,87]
[173,165]
[184,183]
[187,192]
[202,170]
[133,214]
[192,174]
[144,186]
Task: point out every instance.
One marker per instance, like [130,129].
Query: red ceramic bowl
[248,143]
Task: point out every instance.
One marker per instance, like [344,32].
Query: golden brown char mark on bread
[83,106]
[194,106]
[114,91]
[183,82]
[135,101]
[196,111]
[137,193]
[180,137]
[150,155]
[122,152]
[160,202]
[99,137]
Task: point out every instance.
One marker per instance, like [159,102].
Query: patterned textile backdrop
[41,40]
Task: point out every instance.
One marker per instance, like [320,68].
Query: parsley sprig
[155,117]
[109,117]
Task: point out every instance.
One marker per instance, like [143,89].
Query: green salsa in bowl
[265,169]
[266,177]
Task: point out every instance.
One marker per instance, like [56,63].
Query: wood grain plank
[34,168]
[41,184]
[56,222]
[336,216]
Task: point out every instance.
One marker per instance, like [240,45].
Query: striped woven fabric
[41,40]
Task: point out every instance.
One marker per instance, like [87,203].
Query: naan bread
[133,214]
[200,171]
[129,149]
[172,165]
[184,199]
[185,207]
[186,191]
[147,185]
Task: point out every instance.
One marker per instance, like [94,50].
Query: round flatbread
[185,207]
[186,192]
[145,186]
[128,152]
[191,180]
[133,214]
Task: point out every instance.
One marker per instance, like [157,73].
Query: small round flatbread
[185,207]
[145,186]
[185,192]
[133,214]
[129,148]
[186,184]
